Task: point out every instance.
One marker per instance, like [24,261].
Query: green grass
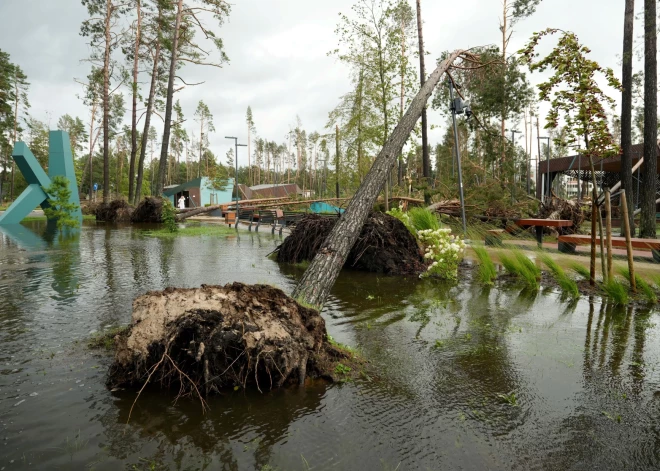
[86,217]
[422,219]
[518,265]
[192,231]
[581,270]
[642,286]
[487,272]
[106,340]
[616,291]
[567,285]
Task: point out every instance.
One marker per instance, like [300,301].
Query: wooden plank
[544,222]
[643,244]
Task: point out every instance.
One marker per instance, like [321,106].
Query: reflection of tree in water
[614,422]
[65,259]
[239,431]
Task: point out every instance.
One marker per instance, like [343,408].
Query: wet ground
[461,377]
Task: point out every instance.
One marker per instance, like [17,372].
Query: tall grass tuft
[642,285]
[423,219]
[581,270]
[518,265]
[616,291]
[567,285]
[487,270]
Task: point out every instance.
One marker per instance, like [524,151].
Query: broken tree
[319,278]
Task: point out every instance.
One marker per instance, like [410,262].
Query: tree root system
[204,340]
[115,211]
[385,245]
[149,210]
[559,208]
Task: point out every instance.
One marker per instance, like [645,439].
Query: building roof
[575,162]
[275,191]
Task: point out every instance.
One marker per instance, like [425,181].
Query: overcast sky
[278,53]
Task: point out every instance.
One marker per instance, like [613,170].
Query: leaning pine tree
[319,278]
[575,97]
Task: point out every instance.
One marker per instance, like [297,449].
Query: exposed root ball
[200,341]
[385,245]
[559,208]
[115,211]
[89,208]
[150,209]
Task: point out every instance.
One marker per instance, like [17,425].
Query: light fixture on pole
[236,145]
[458,107]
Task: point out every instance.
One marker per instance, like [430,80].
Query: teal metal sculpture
[60,163]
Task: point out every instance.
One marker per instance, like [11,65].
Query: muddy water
[461,377]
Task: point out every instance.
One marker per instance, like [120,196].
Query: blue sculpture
[60,163]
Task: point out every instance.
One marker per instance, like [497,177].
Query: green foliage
[642,285]
[487,271]
[444,250]
[106,340]
[509,399]
[169,216]
[192,231]
[423,219]
[568,285]
[616,291]
[518,265]
[581,270]
[60,209]
[342,369]
[404,217]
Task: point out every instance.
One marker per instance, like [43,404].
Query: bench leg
[566,247]
[539,236]
[656,255]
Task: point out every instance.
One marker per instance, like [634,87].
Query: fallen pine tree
[385,245]
[201,341]
[114,211]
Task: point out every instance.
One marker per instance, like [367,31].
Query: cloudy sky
[278,53]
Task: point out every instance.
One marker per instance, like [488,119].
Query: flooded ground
[461,377]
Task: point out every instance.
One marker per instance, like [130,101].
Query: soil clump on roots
[115,211]
[203,340]
[385,245]
[150,210]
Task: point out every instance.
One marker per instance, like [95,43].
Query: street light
[458,107]
[237,145]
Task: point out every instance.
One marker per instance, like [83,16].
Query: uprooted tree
[317,281]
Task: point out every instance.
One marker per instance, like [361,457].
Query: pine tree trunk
[320,277]
[106,105]
[426,160]
[650,166]
[167,125]
[147,116]
[131,167]
[626,108]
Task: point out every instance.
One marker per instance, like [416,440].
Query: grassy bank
[194,230]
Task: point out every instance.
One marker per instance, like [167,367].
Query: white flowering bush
[403,217]
[443,250]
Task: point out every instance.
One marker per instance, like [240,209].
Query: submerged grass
[487,271]
[423,219]
[642,285]
[616,291]
[518,265]
[192,231]
[106,340]
[567,284]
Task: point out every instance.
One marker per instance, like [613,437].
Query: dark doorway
[186,195]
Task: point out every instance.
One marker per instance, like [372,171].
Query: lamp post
[458,107]
[236,145]
[547,159]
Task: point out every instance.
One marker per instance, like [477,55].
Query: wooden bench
[268,216]
[246,215]
[539,224]
[568,243]
[291,218]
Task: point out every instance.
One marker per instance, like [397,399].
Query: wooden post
[608,229]
[626,229]
[592,265]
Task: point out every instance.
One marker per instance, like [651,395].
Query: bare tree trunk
[147,116]
[426,160]
[626,108]
[167,125]
[320,277]
[131,167]
[650,167]
[13,162]
[106,105]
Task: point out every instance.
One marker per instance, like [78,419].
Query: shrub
[444,250]
[487,271]
[404,218]
[60,208]
[169,216]
[423,219]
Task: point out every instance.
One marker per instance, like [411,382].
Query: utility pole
[337,160]
[236,146]
[457,107]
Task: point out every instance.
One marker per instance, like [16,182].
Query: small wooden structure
[539,224]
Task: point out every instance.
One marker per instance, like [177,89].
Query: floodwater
[461,377]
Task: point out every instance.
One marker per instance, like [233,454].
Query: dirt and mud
[204,340]
[117,211]
[149,210]
[385,245]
